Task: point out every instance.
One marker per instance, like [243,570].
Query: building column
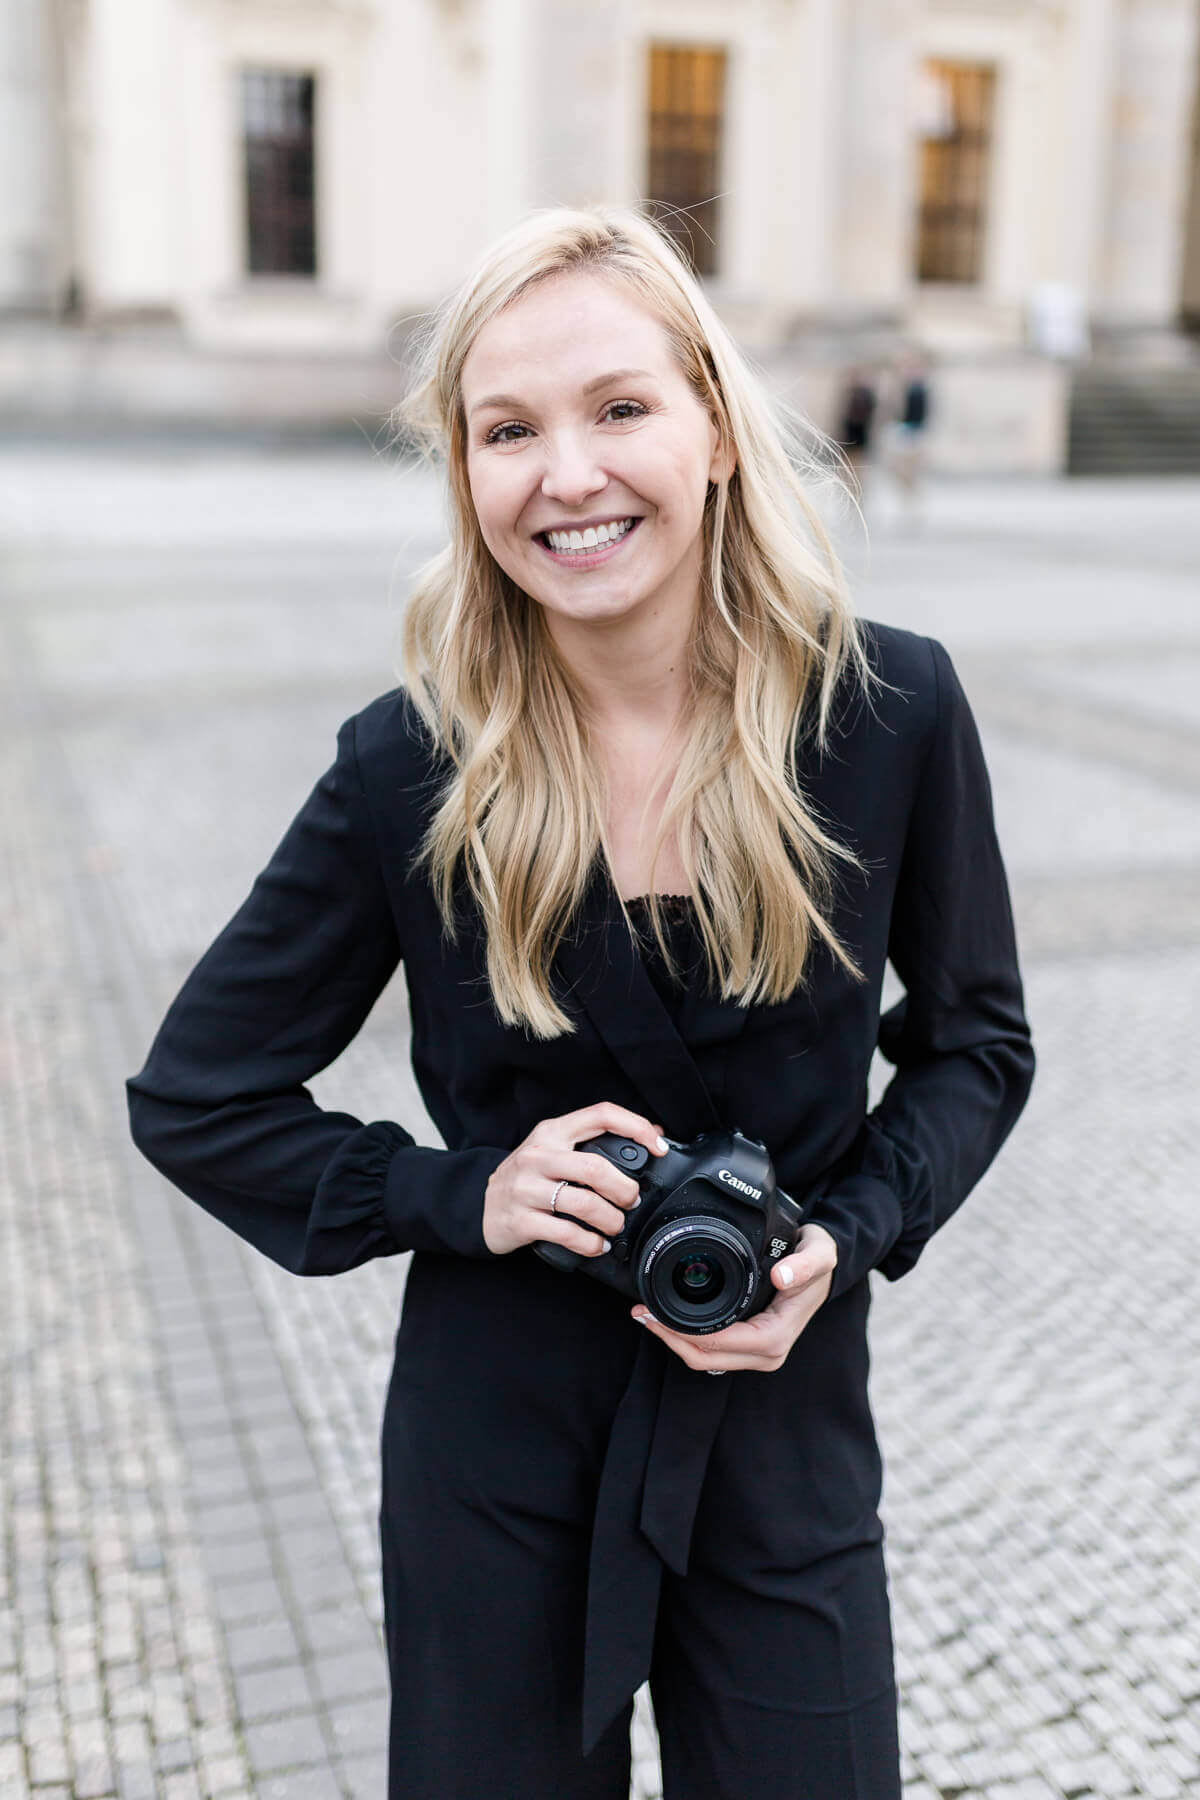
[1082,139]
[511,103]
[576,74]
[31,212]
[1141,269]
[133,181]
[1190,284]
[874,178]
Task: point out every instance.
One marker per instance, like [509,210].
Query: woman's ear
[724,459]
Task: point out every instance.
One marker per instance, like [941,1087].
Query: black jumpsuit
[568,1509]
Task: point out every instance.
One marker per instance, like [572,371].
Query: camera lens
[697,1277]
[697,1274]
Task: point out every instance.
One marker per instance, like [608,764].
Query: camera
[711,1223]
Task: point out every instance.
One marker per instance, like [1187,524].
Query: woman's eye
[498,434]
[626,409]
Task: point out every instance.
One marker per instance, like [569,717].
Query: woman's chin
[595,599]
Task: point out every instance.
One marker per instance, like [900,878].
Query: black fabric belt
[658,1452]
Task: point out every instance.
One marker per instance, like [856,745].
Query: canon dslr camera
[699,1248]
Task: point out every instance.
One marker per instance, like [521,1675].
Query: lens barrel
[697,1274]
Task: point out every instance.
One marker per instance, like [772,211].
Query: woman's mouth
[586,549]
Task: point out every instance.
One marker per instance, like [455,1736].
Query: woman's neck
[631,673]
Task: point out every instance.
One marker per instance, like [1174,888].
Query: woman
[633,675]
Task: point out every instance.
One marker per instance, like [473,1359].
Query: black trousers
[771,1662]
[747,1692]
[485,1556]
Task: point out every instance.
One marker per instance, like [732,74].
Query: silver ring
[554,1196]
[716,1371]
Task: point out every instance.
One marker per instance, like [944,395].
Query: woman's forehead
[566,331]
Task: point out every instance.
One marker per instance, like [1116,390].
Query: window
[686,125]
[277,132]
[956,146]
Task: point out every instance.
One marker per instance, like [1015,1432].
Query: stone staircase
[1135,419]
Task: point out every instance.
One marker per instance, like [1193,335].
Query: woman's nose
[572,473]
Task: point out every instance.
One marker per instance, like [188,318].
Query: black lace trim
[675,906]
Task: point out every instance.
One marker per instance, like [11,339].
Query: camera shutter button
[633,1156]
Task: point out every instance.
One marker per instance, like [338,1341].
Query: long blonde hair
[525,802]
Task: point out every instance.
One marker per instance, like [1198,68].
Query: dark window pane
[686,126]
[279,150]
[955,165]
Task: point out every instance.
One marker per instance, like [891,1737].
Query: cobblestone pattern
[1034,1376]
[112,1681]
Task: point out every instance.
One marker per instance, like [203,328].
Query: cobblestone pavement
[188,1495]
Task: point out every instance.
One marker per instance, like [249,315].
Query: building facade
[305,177]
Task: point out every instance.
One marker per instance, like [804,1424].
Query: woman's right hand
[517,1202]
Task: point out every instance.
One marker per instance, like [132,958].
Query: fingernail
[786,1275]
[643,1318]
[661,1144]
[634,1204]
[607,1248]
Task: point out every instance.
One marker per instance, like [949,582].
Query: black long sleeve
[221,1107]
[959,1039]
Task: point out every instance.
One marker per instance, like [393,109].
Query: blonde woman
[644,824]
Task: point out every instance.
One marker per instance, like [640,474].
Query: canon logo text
[743,1187]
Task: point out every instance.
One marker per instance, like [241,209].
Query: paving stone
[265,1693]
[226,1524]
[334,1630]
[47,1762]
[12,1771]
[182,1786]
[244,1601]
[223,1776]
[354,1674]
[359,1724]
[365,1777]
[262,1644]
[305,1784]
[173,1754]
[242,1559]
[278,1744]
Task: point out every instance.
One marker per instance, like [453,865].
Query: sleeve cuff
[433,1199]
[382,1193]
[863,1217]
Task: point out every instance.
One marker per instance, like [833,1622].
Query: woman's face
[588,454]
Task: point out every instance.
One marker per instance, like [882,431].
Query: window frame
[308,270]
[935,263]
[712,232]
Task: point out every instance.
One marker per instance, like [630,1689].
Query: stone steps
[1135,420]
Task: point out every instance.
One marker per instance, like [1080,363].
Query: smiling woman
[640,691]
[635,450]
[633,673]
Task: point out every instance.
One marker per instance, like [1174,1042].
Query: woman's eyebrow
[514,401]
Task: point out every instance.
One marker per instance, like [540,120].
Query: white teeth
[565,543]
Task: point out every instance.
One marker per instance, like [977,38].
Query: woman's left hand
[801,1283]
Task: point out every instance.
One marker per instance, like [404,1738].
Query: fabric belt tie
[658,1452]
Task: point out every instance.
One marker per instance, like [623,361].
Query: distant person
[858,413]
[909,428]
[649,817]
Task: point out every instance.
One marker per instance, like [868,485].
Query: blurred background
[964,237]
[212,211]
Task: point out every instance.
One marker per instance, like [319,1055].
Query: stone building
[212,182]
